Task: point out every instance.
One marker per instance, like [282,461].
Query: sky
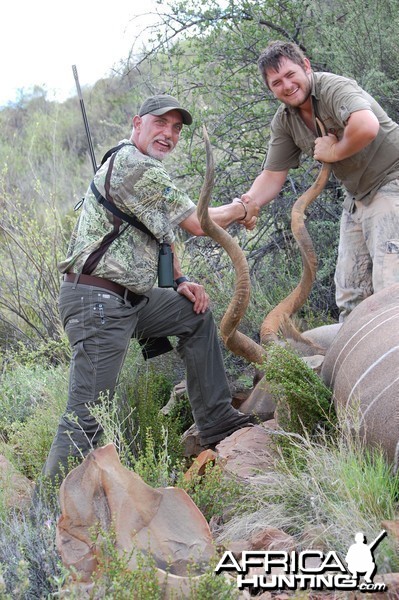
[41,39]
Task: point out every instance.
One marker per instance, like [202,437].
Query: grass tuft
[322,494]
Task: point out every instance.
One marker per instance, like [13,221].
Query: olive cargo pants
[368,253]
[99,325]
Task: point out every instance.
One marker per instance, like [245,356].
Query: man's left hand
[324,148]
[196,294]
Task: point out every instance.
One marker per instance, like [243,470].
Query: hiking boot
[212,435]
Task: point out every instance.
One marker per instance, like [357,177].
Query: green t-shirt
[139,186]
[334,99]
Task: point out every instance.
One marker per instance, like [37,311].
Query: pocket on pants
[82,374]
[71,306]
[390,266]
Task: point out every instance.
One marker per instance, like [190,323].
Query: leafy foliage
[304,402]
[31,439]
[113,577]
[143,397]
[26,388]
[32,240]
[213,492]
[29,561]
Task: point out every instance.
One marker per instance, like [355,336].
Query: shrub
[145,388]
[32,399]
[29,561]
[115,579]
[303,401]
[33,243]
[31,439]
[214,493]
[25,388]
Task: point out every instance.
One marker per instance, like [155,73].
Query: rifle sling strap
[131,219]
[94,258]
[150,347]
[108,202]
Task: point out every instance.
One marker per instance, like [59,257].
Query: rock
[237,547]
[16,488]
[102,496]
[248,451]
[268,539]
[272,538]
[199,464]
[244,595]
[392,528]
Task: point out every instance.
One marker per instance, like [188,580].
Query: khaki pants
[99,325]
[368,253]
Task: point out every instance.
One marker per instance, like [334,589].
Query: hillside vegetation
[206,56]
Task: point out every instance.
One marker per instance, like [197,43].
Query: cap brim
[187,118]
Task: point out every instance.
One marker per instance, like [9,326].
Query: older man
[108,293]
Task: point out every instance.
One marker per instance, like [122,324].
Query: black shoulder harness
[108,201]
[94,258]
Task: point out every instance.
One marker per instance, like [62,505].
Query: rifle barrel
[85,121]
[378,539]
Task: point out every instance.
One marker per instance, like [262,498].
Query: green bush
[32,243]
[32,438]
[27,388]
[29,561]
[145,388]
[213,587]
[115,579]
[303,401]
[32,399]
[214,493]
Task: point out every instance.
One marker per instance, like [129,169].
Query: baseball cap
[161,104]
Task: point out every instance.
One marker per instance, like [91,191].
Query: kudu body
[362,368]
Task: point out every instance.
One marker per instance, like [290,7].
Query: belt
[107,284]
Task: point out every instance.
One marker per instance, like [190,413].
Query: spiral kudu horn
[234,340]
[293,302]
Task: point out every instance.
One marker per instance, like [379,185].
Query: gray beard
[157,155]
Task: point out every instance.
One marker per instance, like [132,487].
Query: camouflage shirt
[139,186]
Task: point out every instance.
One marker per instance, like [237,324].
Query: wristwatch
[179,280]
